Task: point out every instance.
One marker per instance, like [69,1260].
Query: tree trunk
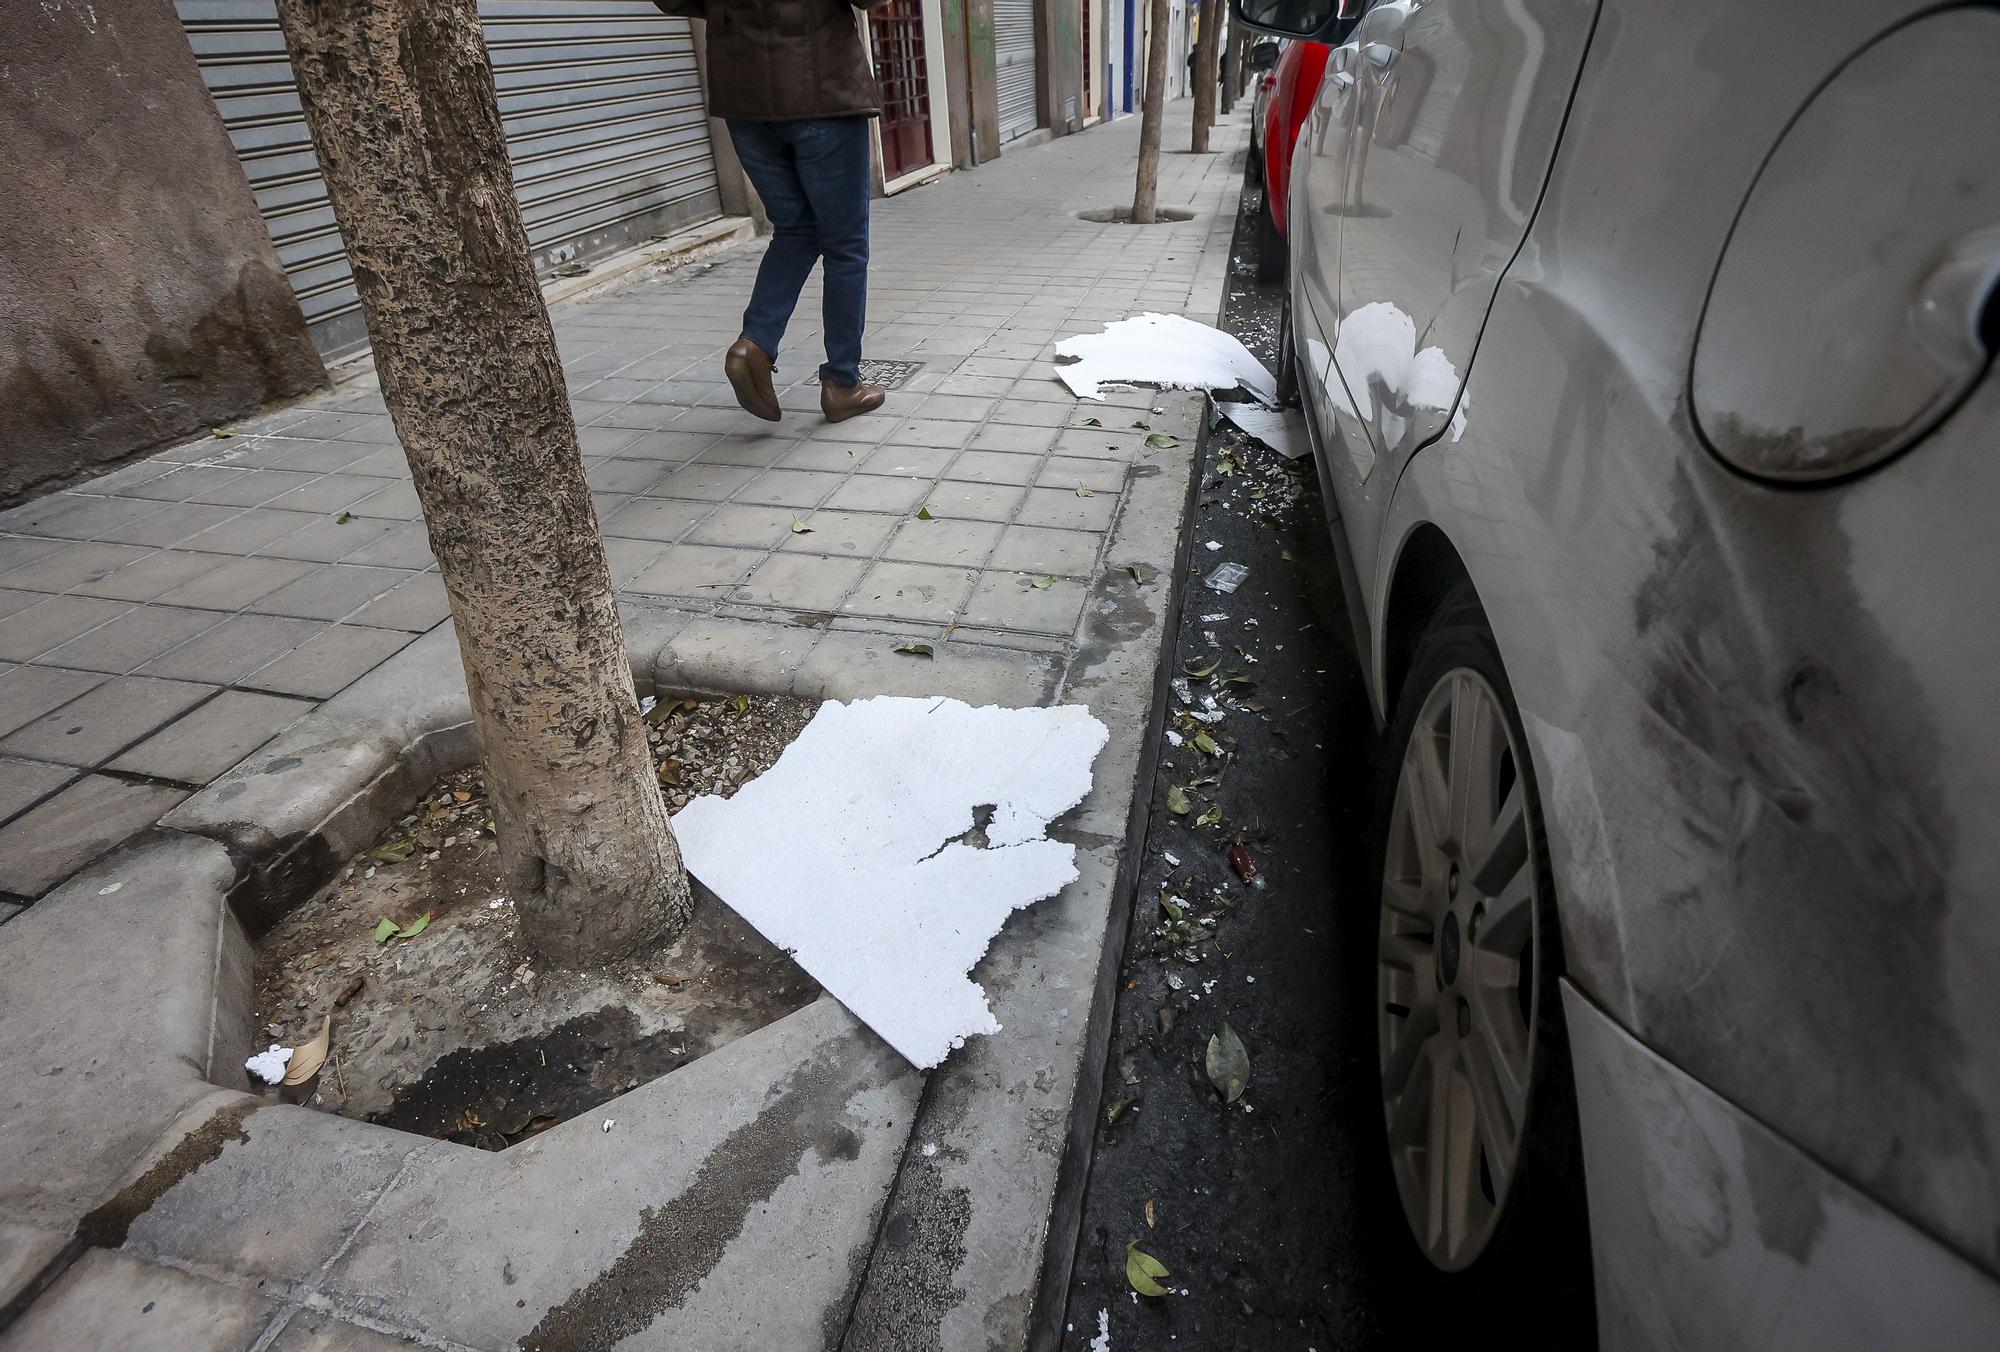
[1207,73]
[398,95]
[1239,53]
[1152,111]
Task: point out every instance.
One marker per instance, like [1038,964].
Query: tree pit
[442,1022]
[1123,216]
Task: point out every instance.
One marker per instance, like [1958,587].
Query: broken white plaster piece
[269,1064]
[1281,429]
[1102,1342]
[1170,351]
[849,853]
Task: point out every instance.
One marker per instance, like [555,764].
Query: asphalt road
[1273,1216]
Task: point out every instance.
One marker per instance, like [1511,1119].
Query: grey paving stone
[995,467]
[1013,601]
[170,525]
[330,592]
[249,531]
[150,577]
[77,516]
[921,462]
[956,407]
[910,591]
[623,476]
[233,649]
[947,541]
[329,538]
[849,534]
[323,456]
[17,551]
[185,482]
[1100,476]
[700,572]
[656,519]
[329,661]
[330,493]
[605,440]
[203,744]
[1065,509]
[31,632]
[797,488]
[93,728]
[1038,549]
[133,639]
[639,417]
[72,566]
[46,844]
[837,457]
[113,1300]
[28,692]
[22,782]
[407,546]
[253,488]
[981,502]
[415,605]
[712,483]
[933,432]
[802,581]
[397,502]
[744,526]
[235,583]
[629,558]
[862,431]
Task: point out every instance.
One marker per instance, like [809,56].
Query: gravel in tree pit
[454,1031]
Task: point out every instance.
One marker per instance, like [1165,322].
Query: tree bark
[1207,71]
[399,98]
[1152,110]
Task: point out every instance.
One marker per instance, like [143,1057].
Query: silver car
[1647,349]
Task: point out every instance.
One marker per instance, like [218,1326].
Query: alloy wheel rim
[1456,970]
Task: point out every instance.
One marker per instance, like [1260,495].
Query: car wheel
[1273,253]
[1478,1103]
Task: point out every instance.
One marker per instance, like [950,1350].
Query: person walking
[794,82]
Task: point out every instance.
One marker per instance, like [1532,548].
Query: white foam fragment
[1389,378]
[269,1064]
[1102,1342]
[1281,429]
[1170,351]
[848,853]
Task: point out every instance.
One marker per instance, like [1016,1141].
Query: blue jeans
[813,175]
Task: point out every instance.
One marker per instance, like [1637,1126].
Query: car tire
[1273,253]
[1253,168]
[1533,1257]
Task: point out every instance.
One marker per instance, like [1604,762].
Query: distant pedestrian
[793,80]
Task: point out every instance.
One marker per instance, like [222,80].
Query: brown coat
[775,60]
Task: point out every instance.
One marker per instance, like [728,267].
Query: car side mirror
[1264,55]
[1316,19]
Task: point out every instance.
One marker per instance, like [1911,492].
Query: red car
[1297,75]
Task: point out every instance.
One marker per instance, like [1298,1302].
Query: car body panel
[1297,89]
[1760,715]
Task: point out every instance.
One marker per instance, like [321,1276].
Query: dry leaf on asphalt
[915,649]
[1150,1222]
[308,1057]
[1144,1271]
[1228,1063]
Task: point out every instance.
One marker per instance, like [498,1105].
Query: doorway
[903,74]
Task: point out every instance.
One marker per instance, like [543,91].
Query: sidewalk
[243,639]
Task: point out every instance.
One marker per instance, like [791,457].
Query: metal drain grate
[890,375]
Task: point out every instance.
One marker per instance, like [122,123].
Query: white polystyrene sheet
[1169,351]
[847,852]
[1377,346]
[1281,429]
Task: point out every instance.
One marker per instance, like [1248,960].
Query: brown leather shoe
[748,367]
[841,402]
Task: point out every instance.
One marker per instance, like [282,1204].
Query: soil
[442,1022]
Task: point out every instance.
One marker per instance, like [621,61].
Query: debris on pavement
[1144,1271]
[1227,1062]
[889,844]
[1282,430]
[1168,351]
[269,1064]
[1226,578]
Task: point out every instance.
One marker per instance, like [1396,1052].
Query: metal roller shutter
[602,104]
[1014,65]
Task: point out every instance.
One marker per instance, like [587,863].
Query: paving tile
[92,729]
[18,551]
[252,488]
[954,543]
[1038,549]
[158,572]
[417,605]
[995,467]
[202,745]
[1073,472]
[629,558]
[48,843]
[925,462]
[330,493]
[879,493]
[983,502]
[235,583]
[955,407]
[745,526]
[249,531]
[76,516]
[933,432]
[702,571]
[233,649]
[623,476]
[330,592]
[1101,443]
[407,546]
[133,639]
[31,632]
[799,488]
[22,782]
[866,430]
[836,457]
[28,692]
[185,482]
[805,581]
[170,525]
[398,502]
[847,534]
[911,591]
[605,440]
[1064,508]
[72,566]
[640,417]
[713,483]
[325,456]
[12,602]
[1014,440]
[329,661]
[657,519]
[329,538]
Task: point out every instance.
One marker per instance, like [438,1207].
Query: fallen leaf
[1114,1111]
[1177,801]
[383,929]
[1144,1271]
[670,772]
[461,795]
[915,649]
[343,518]
[1043,583]
[1143,425]
[415,927]
[308,1057]
[349,991]
[742,704]
[1168,1016]
[220,432]
[666,978]
[1161,441]
[1137,576]
[1227,1063]
[1083,492]
[924,514]
[1199,672]
[395,852]
[1209,818]
[1172,907]
[1149,1214]
[1092,422]
[1240,860]
[1206,744]
[800,528]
